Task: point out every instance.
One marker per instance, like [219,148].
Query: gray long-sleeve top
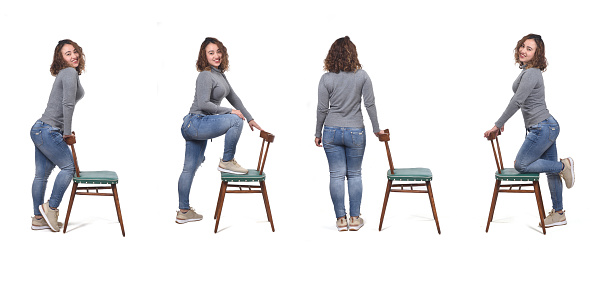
[529,96]
[212,87]
[339,101]
[65,93]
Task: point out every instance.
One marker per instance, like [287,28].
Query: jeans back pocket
[554,131]
[328,135]
[358,137]
[36,135]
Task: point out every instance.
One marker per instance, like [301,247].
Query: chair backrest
[267,138]
[385,138]
[494,137]
[74,156]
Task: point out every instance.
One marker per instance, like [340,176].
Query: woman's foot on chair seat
[231,167]
[355,223]
[188,216]
[568,171]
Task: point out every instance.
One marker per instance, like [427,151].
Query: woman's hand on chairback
[379,133]
[318,142]
[69,139]
[238,113]
[493,130]
[253,125]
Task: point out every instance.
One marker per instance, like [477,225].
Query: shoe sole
[34,227]
[572,172]
[342,229]
[182,221]
[229,171]
[556,224]
[356,227]
[44,215]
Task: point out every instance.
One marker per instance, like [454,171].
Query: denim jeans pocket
[36,135]
[56,136]
[186,122]
[358,137]
[328,135]
[534,132]
[554,131]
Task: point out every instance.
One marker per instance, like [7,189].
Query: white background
[442,73]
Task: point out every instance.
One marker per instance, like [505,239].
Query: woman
[208,120]
[51,134]
[344,138]
[538,152]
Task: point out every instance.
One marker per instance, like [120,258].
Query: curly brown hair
[342,57]
[203,65]
[59,63]
[539,59]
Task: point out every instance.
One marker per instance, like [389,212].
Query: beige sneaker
[355,223]
[40,224]
[555,219]
[231,167]
[568,173]
[189,216]
[341,224]
[50,216]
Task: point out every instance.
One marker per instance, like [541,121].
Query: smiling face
[213,55]
[526,52]
[70,55]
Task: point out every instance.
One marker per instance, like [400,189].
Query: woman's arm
[528,81]
[369,103]
[323,106]
[69,82]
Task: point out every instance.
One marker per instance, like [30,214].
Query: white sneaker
[50,216]
[355,223]
[341,224]
[568,173]
[40,224]
[231,167]
[189,216]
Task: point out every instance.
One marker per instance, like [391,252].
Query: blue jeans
[50,151]
[344,149]
[538,155]
[196,130]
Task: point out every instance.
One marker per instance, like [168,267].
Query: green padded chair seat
[410,174]
[96,177]
[510,174]
[251,176]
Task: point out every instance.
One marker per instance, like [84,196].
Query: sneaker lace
[234,161]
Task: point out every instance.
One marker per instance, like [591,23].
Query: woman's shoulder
[205,75]
[67,74]
[532,71]
[69,71]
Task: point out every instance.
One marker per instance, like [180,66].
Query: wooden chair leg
[389,182]
[542,213]
[433,205]
[220,203]
[219,195]
[118,208]
[493,203]
[265,197]
[72,195]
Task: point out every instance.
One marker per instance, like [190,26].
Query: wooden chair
[410,175]
[510,174]
[107,178]
[252,176]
